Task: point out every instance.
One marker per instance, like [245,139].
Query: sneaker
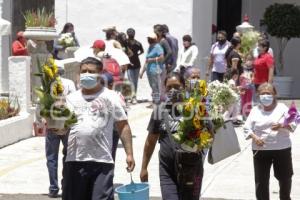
[53,194]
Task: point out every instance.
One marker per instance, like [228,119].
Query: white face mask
[88,80]
[266,99]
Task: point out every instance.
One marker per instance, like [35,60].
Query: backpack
[111,66]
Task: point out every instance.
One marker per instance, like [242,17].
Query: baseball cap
[109,28]
[100,44]
[152,36]
[20,34]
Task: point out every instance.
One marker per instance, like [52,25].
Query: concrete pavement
[23,167]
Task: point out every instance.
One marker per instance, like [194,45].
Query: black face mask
[174,95]
[221,42]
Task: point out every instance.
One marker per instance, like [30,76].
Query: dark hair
[130,31]
[66,27]
[159,28]
[264,44]
[93,61]
[222,32]
[187,38]
[176,75]
[234,43]
[165,28]
[234,72]
[264,35]
[120,38]
[109,33]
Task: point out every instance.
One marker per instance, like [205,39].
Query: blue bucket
[133,191]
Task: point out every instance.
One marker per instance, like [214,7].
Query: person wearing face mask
[217,63]
[187,55]
[89,167]
[154,68]
[178,181]
[271,143]
[263,65]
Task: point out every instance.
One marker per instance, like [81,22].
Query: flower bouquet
[9,106]
[249,40]
[52,104]
[195,131]
[66,40]
[222,96]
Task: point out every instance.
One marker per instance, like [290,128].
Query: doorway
[229,15]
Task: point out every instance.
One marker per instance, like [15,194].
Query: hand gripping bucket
[133,191]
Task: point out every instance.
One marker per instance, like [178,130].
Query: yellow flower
[197,122]
[59,87]
[51,61]
[54,69]
[48,72]
[205,139]
[203,88]
[54,89]
[201,109]
[3,104]
[190,105]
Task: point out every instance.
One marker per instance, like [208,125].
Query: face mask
[173,95]
[266,99]
[221,42]
[88,80]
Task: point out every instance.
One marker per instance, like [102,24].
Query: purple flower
[292,116]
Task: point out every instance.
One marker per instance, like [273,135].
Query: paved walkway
[23,167]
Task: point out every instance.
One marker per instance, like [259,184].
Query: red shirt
[18,49]
[262,65]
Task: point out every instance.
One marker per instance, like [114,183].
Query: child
[233,110]
[246,87]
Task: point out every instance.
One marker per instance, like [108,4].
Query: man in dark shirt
[173,42]
[134,69]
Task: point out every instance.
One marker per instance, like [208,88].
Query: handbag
[225,144]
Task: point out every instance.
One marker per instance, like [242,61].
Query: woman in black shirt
[180,172]
[234,60]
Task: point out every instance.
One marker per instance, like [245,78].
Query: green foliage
[39,18]
[282,20]
[249,40]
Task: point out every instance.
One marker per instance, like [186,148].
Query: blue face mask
[266,99]
[88,80]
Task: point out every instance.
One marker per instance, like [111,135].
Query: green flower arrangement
[50,95]
[248,42]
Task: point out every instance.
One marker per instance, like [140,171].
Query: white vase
[283,85]
[188,148]
[55,123]
[40,33]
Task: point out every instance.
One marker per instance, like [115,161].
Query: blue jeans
[52,149]
[133,77]
[155,81]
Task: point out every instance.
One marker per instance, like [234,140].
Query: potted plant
[283,22]
[40,25]
[9,106]
[51,99]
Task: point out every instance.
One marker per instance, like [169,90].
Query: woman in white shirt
[187,55]
[271,143]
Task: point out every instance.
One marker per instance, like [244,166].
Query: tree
[283,22]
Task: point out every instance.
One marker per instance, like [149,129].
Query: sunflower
[197,122]
[202,87]
[59,87]
[205,139]
[201,109]
[48,71]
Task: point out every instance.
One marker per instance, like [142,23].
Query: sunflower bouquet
[195,131]
[51,99]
